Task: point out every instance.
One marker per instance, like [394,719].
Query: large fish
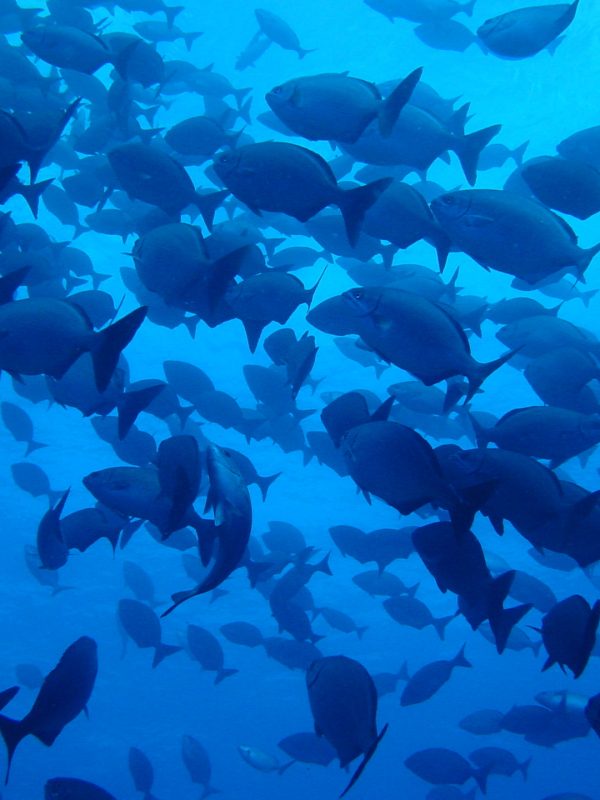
[343,701]
[277,176]
[45,336]
[225,539]
[63,695]
[337,107]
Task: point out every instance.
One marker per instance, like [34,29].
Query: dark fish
[441,766]
[33,479]
[63,695]
[391,322]
[447,34]
[226,539]
[44,577]
[143,626]
[583,146]
[483,723]
[482,222]
[197,762]
[151,175]
[279,32]
[200,136]
[290,653]
[140,583]
[206,649]
[277,176]
[569,633]
[337,107]
[498,761]
[414,613]
[343,701]
[341,621]
[421,10]
[51,547]
[74,789]
[523,32]
[44,336]
[570,187]
[142,772]
[66,46]
[20,426]
[382,584]
[419,138]
[243,633]
[429,679]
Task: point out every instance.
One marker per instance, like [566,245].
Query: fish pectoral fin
[366,758]
[476,220]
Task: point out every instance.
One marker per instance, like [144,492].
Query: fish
[63,695]
[569,632]
[279,32]
[338,107]
[253,173]
[197,763]
[261,761]
[74,789]
[480,222]
[142,625]
[20,426]
[523,32]
[428,680]
[441,766]
[45,336]
[343,702]
[142,772]
[206,649]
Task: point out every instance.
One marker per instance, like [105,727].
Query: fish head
[451,206]
[227,164]
[362,301]
[496,26]
[284,97]
[107,484]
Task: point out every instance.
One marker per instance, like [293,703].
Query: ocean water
[542,99]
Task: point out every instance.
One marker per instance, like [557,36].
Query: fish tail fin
[587,254]
[467,8]
[323,565]
[361,630]
[481,776]
[178,598]
[162,651]
[412,590]
[403,674]
[469,147]
[32,192]
[171,12]
[12,732]
[366,758]
[393,104]
[440,625]
[133,403]
[244,110]
[503,621]
[110,342]
[7,695]
[353,204]
[460,660]
[303,52]
[31,446]
[483,371]
[190,38]
[482,434]
[264,483]
[240,94]
[519,152]
[524,768]
[442,245]
[225,673]
[208,203]
[310,292]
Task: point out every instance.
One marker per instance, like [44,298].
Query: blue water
[542,99]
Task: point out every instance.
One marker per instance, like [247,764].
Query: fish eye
[277,90]
[356,294]
[448,199]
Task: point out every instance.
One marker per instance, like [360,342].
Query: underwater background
[541,99]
